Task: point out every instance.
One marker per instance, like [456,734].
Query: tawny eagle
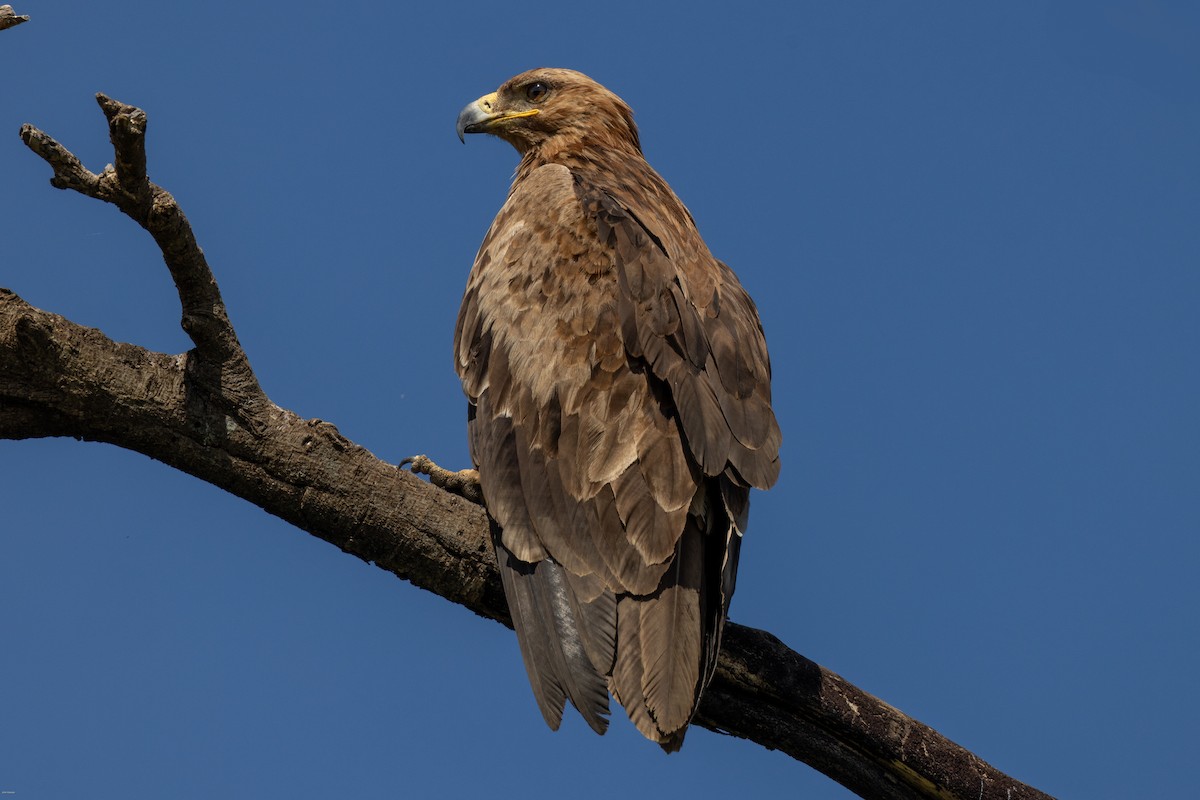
[620,410]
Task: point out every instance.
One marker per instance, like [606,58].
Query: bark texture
[204,412]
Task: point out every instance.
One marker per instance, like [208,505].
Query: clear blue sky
[974,237]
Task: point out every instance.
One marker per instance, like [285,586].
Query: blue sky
[973,236]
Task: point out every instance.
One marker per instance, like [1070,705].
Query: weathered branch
[218,360]
[9,18]
[203,412]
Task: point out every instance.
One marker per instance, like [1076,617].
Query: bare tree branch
[204,412]
[9,18]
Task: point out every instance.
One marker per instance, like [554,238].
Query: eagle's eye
[536,91]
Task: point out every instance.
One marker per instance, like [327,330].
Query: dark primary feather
[620,412]
[556,656]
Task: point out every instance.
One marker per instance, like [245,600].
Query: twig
[218,358]
[9,19]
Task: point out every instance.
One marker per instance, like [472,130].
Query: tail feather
[535,651]
[655,652]
[671,636]
[626,680]
[556,658]
[596,609]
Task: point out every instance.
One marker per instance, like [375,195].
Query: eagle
[619,410]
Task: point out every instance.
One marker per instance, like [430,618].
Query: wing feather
[650,528]
[713,358]
[492,443]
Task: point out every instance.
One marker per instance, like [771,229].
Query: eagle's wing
[620,412]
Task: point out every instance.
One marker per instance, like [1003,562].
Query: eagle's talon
[416,464]
[464,483]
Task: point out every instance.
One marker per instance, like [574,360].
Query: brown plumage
[620,410]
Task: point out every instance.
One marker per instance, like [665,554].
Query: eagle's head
[552,106]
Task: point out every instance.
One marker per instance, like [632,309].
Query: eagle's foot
[464,483]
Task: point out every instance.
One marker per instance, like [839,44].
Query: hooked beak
[481,116]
